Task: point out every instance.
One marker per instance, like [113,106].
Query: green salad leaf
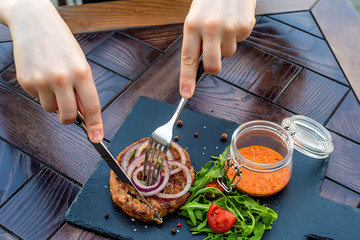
[252,219]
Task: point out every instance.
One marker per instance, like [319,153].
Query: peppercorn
[179,123]
[173,231]
[179,225]
[196,134]
[224,137]
[106,215]
[176,138]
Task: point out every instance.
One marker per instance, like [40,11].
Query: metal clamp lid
[309,136]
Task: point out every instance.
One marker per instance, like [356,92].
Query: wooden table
[299,62]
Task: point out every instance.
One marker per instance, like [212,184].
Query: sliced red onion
[188,181]
[141,184]
[182,154]
[126,157]
[169,156]
[137,161]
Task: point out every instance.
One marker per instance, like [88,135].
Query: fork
[160,139]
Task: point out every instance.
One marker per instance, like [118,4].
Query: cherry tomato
[219,219]
[216,185]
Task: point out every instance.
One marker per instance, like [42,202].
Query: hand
[212,27]
[50,64]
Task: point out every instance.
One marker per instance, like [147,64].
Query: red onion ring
[188,181]
[135,163]
[182,154]
[126,157]
[141,184]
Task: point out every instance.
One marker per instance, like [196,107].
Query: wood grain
[4,235]
[263,74]
[338,20]
[312,95]
[39,208]
[345,121]
[144,13]
[216,98]
[344,164]
[160,37]
[90,40]
[124,14]
[9,78]
[27,126]
[15,169]
[6,55]
[5,34]
[124,56]
[333,191]
[71,232]
[296,46]
[160,82]
[301,20]
[108,84]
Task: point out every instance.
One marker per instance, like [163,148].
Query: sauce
[261,184]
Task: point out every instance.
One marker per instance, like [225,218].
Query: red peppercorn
[196,134]
[179,225]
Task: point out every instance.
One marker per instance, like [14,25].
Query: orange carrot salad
[261,184]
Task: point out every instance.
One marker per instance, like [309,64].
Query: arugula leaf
[252,219]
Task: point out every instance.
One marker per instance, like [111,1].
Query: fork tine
[165,149]
[151,141]
[157,150]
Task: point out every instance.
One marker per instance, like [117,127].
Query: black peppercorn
[106,215]
[176,138]
[173,231]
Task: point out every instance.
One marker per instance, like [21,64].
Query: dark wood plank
[6,55]
[71,232]
[15,169]
[345,121]
[263,74]
[124,55]
[338,20]
[301,20]
[160,81]
[344,164]
[39,134]
[335,192]
[312,95]
[108,84]
[160,37]
[216,98]
[296,46]
[9,77]
[5,34]
[39,208]
[4,235]
[90,40]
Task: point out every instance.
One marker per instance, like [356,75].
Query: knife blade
[113,164]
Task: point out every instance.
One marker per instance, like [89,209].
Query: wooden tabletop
[299,59]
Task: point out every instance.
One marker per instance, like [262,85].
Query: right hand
[50,64]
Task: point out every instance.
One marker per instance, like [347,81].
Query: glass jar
[260,157]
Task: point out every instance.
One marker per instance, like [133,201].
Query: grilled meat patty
[127,198]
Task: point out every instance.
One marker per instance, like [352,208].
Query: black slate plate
[301,210]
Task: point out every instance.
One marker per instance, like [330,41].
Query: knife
[113,164]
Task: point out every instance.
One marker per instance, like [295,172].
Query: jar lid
[309,136]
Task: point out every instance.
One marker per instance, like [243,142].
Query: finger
[228,47]
[48,101]
[190,53]
[89,105]
[67,108]
[212,54]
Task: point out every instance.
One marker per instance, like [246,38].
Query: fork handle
[183,101]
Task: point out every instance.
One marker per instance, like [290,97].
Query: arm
[213,28]
[50,64]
